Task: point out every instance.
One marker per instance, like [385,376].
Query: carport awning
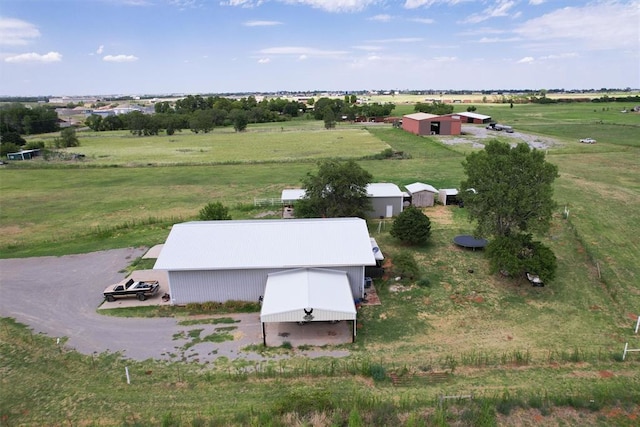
[319,294]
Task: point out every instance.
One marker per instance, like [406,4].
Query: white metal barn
[233,260]
[386,199]
[422,195]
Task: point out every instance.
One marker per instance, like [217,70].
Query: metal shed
[422,195]
[232,260]
[386,199]
[448,196]
[307,295]
[430,124]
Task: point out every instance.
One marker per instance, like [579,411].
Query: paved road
[59,296]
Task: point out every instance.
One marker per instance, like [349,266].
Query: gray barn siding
[243,285]
[422,199]
[379,205]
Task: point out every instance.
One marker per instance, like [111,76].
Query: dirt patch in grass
[439,214]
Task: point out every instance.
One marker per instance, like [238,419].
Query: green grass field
[549,355]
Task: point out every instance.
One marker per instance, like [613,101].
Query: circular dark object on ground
[141,296]
[111,298]
[468,241]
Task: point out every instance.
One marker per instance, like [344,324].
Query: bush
[405,265]
[214,211]
[517,254]
[412,226]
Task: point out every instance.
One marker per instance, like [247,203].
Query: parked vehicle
[498,127]
[129,287]
[588,141]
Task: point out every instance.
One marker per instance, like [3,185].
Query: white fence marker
[126,371]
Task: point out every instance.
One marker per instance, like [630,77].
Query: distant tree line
[203,115]
[200,114]
[349,109]
[22,120]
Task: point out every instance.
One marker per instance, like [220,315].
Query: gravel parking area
[477,134]
[60,297]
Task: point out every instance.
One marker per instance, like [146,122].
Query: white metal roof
[416,187]
[474,115]
[383,189]
[420,116]
[267,243]
[289,194]
[324,294]
[450,191]
[376,189]
[376,250]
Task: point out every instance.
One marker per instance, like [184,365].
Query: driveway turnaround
[59,296]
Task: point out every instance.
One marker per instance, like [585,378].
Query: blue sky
[101,47]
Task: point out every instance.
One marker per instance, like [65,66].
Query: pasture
[520,351]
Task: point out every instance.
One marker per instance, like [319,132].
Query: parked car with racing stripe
[129,287]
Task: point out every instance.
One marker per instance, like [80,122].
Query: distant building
[431,124]
[24,154]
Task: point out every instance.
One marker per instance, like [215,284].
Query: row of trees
[18,119]
[151,124]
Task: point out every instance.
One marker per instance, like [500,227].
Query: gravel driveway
[478,133]
[59,296]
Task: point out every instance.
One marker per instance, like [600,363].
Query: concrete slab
[153,253]
[312,333]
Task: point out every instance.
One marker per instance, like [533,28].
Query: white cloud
[367,47]
[526,60]
[399,40]
[498,39]
[326,5]
[606,25]
[302,57]
[414,4]
[500,9]
[16,32]
[35,57]
[264,60]
[100,49]
[536,2]
[445,58]
[120,58]
[261,23]
[381,18]
[423,20]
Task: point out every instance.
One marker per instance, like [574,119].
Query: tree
[239,119]
[214,211]
[508,190]
[517,254]
[337,190]
[509,193]
[435,107]
[67,138]
[329,118]
[412,226]
[94,122]
[8,147]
